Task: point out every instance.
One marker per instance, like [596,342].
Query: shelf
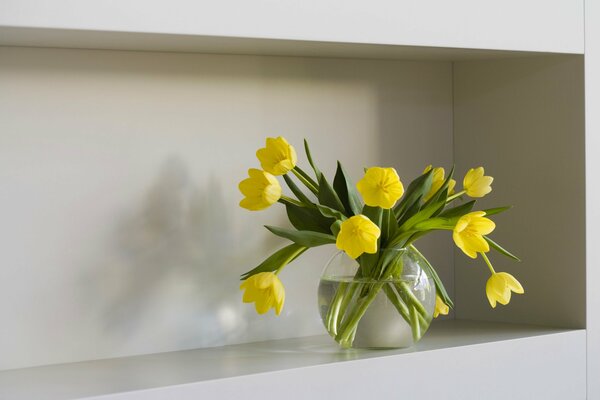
[112,40]
[287,366]
[297,28]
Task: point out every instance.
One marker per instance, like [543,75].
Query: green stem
[334,309]
[397,301]
[402,287]
[350,292]
[306,180]
[489,264]
[416,328]
[455,195]
[288,200]
[356,314]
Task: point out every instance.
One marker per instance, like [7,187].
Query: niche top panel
[377,29]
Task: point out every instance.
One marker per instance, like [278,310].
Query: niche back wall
[119,222]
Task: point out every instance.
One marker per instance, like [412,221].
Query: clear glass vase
[391,306]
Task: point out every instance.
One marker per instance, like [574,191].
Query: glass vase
[391,306]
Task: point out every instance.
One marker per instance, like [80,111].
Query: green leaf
[318,173]
[426,212]
[497,210]
[277,260]
[296,190]
[389,226]
[373,213]
[500,249]
[439,285]
[409,212]
[418,188]
[330,212]
[346,191]
[336,227]
[434,223]
[458,211]
[327,195]
[308,219]
[303,238]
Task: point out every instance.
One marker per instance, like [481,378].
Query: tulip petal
[512,283]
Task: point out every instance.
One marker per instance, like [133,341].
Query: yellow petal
[440,307]
[476,243]
[261,190]
[451,186]
[472,175]
[380,187]
[278,157]
[358,234]
[512,283]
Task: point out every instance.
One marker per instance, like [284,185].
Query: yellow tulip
[468,233]
[380,187]
[499,287]
[440,307]
[261,190]
[265,290]
[476,184]
[358,234]
[438,181]
[278,157]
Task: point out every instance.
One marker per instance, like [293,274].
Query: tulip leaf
[439,285]
[409,212]
[308,219]
[318,173]
[330,212]
[346,191]
[302,238]
[389,226]
[418,188]
[327,195]
[297,191]
[336,227]
[500,249]
[458,211]
[426,212]
[497,210]
[277,260]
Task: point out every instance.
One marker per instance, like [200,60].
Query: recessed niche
[119,172]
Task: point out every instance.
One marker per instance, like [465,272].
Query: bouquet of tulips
[368,221]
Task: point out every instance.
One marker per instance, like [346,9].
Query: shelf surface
[140,373]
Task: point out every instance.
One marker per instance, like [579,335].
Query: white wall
[120,228]
[592,164]
[523,119]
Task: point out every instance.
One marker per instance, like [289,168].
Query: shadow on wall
[177,268]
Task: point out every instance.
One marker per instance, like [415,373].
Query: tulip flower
[358,235]
[278,157]
[438,181]
[440,307]
[265,290]
[380,187]
[469,231]
[476,184]
[261,190]
[500,286]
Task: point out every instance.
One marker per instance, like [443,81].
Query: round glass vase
[391,306]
